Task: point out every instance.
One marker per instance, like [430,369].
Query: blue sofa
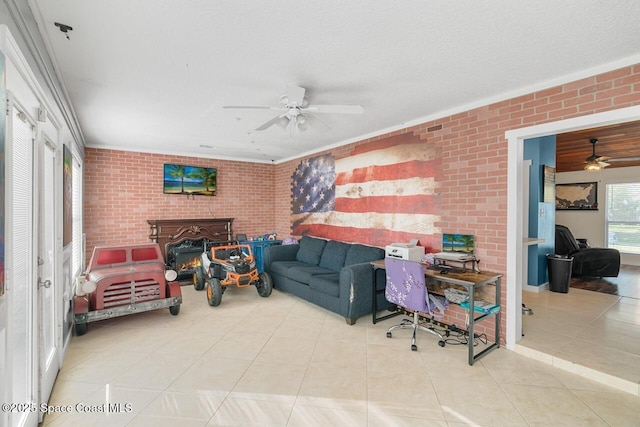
[334,275]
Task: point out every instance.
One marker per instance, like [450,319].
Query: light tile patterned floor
[585,332]
[280,361]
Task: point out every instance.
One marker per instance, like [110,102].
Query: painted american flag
[314,183]
[383,192]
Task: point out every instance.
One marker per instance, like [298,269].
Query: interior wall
[29,93]
[473,190]
[591,224]
[124,189]
[542,152]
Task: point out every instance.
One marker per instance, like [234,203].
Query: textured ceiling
[153,75]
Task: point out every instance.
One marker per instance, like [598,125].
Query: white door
[21,260]
[49,323]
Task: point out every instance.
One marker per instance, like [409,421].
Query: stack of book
[481,307]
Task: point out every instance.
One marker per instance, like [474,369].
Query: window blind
[623,217]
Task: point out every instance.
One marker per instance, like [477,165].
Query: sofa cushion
[303,273]
[358,253]
[334,255]
[328,284]
[282,267]
[310,250]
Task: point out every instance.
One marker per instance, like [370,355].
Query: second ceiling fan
[595,163]
[297,113]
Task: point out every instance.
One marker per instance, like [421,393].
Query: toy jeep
[123,280]
[229,265]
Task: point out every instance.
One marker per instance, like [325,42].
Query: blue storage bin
[257,246]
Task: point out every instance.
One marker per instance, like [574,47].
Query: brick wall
[123,189]
[473,186]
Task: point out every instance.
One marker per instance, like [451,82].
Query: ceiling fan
[297,113]
[595,163]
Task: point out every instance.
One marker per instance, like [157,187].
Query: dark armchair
[587,261]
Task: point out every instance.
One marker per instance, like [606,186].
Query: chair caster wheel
[388,334]
[414,347]
[441,343]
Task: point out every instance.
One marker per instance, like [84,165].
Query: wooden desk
[470,280]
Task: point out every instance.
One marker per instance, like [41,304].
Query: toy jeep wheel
[214,292]
[198,279]
[174,309]
[80,328]
[264,285]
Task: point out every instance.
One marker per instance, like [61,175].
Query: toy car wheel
[214,292]
[198,279]
[264,285]
[80,328]
[174,309]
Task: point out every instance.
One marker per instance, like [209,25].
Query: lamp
[302,122]
[593,167]
[283,122]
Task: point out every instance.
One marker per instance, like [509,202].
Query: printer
[410,251]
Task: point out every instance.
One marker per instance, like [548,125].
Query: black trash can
[559,267]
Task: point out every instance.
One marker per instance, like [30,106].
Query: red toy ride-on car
[229,265]
[123,280]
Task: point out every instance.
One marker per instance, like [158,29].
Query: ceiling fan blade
[603,164]
[335,109]
[252,107]
[245,107]
[270,123]
[625,159]
[316,123]
[295,95]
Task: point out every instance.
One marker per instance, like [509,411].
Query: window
[623,217]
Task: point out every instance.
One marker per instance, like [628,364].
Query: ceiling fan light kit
[593,167]
[595,163]
[283,122]
[296,111]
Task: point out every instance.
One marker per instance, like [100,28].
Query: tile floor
[280,361]
[590,333]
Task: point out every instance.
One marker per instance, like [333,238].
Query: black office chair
[587,261]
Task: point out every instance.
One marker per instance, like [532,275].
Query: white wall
[29,83]
[591,224]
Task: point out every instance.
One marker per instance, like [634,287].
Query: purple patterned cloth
[406,286]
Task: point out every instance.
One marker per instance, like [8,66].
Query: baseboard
[536,289]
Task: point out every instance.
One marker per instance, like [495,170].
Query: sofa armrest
[356,289]
[279,253]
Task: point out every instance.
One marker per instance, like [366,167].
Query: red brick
[472,183]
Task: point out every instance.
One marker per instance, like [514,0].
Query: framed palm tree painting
[190,180]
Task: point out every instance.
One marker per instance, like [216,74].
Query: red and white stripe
[385,192]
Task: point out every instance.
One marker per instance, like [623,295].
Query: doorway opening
[516,232]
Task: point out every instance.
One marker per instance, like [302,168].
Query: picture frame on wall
[579,196]
[3,126]
[67,197]
[190,180]
[548,184]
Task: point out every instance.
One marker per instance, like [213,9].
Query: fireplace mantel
[171,232]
